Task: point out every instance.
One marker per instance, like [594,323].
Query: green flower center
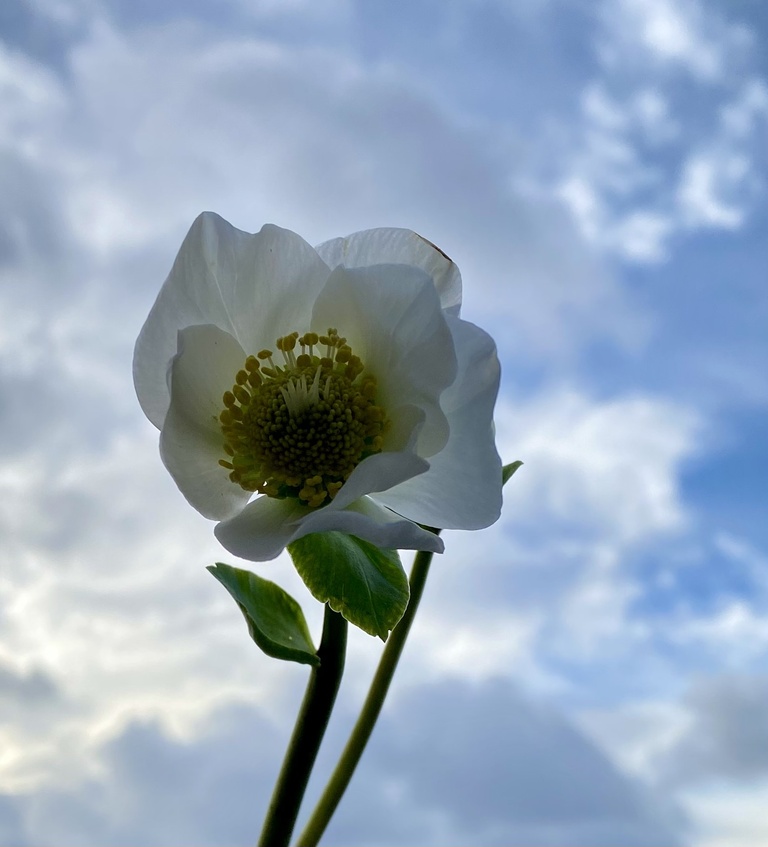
[299,429]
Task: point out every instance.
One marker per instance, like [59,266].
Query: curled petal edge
[266,526]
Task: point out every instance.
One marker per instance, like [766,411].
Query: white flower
[338,384]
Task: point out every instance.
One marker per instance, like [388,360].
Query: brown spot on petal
[441,252]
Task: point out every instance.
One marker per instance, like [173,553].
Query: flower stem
[350,757]
[308,733]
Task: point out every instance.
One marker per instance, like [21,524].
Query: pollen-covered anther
[300,429]
[242,396]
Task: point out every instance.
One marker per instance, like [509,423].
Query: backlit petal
[262,530]
[368,520]
[389,246]
[462,488]
[191,440]
[254,287]
[392,318]
[379,473]
[266,526]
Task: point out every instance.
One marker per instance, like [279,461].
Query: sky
[591,670]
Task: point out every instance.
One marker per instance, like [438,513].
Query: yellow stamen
[301,429]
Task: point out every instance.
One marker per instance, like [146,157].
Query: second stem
[341,776]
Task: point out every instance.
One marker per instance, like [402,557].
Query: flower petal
[283,276]
[462,488]
[255,287]
[263,529]
[191,440]
[389,246]
[267,525]
[392,318]
[378,473]
[372,522]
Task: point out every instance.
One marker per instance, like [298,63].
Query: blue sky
[591,670]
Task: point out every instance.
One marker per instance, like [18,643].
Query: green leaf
[508,470]
[368,586]
[275,620]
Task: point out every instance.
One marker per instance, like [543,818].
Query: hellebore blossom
[300,390]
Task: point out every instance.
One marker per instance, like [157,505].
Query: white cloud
[736,633]
[584,203]
[29,95]
[645,167]
[746,555]
[729,817]
[709,750]
[335,12]
[680,34]
[741,116]
[673,36]
[610,174]
[313,139]
[647,111]
[642,236]
[105,593]
[601,109]
[638,734]
[600,480]
[707,182]
[610,464]
[476,650]
[654,116]
[66,11]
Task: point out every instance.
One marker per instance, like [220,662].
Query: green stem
[308,733]
[341,776]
